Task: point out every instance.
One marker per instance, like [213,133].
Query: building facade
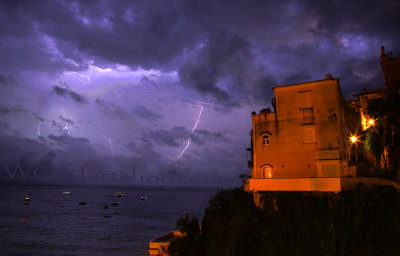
[303,145]
[391,74]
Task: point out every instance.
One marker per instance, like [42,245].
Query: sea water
[54,223]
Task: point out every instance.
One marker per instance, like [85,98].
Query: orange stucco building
[303,145]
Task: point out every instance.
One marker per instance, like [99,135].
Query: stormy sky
[160,92]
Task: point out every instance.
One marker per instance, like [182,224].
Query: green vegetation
[385,134]
[365,221]
[189,244]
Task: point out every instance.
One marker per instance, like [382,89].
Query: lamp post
[354,139]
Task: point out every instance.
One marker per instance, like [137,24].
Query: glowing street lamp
[353,139]
[366,122]
[371,122]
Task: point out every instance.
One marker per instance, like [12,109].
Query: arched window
[267,171]
[266,140]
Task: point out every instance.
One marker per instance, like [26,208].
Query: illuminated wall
[306,137]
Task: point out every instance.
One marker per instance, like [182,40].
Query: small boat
[115,204]
[27,199]
[143,197]
[82,203]
[119,194]
[67,193]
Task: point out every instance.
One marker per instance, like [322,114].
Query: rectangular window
[305,100]
[308,116]
[306,113]
[308,134]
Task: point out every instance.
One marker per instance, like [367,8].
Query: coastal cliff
[363,221]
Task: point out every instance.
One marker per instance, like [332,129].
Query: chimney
[328,76]
[382,50]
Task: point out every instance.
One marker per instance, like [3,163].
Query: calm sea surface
[57,225]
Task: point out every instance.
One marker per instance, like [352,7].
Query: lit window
[267,172]
[308,134]
[266,140]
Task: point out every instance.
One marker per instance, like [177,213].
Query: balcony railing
[293,184]
[307,116]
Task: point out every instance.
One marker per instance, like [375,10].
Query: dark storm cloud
[60,158]
[66,141]
[38,117]
[201,136]
[7,110]
[356,17]
[112,110]
[223,55]
[66,120]
[231,52]
[7,80]
[261,89]
[58,125]
[218,48]
[22,45]
[4,126]
[62,124]
[146,113]
[306,39]
[140,33]
[66,92]
[144,149]
[172,137]
[17,151]
[148,80]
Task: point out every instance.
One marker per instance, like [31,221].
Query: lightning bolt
[193,129]
[66,128]
[111,147]
[109,142]
[38,129]
[84,79]
[185,99]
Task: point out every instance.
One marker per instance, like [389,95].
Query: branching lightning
[83,78]
[185,99]
[193,129]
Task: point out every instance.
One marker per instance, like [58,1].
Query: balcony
[294,184]
[307,116]
[249,157]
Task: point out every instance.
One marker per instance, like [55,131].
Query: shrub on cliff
[365,221]
[190,243]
